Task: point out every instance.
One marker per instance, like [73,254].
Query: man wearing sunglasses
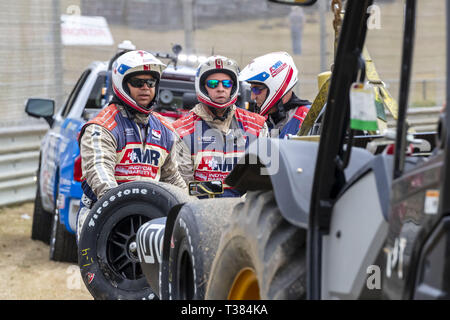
[126,141]
[216,133]
[272,78]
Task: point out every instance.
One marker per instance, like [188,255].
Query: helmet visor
[213,83]
[258,89]
[139,83]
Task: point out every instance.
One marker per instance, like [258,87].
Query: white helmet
[131,64]
[276,71]
[215,64]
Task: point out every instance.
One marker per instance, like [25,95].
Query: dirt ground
[26,273]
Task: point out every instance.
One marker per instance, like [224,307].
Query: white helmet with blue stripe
[131,64]
[276,71]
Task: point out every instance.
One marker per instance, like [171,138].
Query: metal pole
[188,20]
[444,200]
[323,35]
[405,80]
[424,90]
[57,53]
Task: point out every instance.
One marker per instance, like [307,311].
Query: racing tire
[195,238]
[260,255]
[42,220]
[63,244]
[107,251]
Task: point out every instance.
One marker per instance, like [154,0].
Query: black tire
[195,239]
[259,244]
[42,220]
[109,267]
[63,244]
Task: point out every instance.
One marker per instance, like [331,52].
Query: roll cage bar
[335,142]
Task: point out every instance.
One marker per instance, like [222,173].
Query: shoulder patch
[186,125]
[250,120]
[301,112]
[164,121]
[106,117]
[245,114]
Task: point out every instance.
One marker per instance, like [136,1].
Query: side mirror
[205,188]
[41,108]
[295,2]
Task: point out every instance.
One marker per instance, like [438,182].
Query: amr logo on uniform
[217,163]
[134,155]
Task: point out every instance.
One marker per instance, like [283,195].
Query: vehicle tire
[107,254]
[63,244]
[260,255]
[42,220]
[195,238]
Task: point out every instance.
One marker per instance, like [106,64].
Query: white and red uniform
[211,148]
[141,151]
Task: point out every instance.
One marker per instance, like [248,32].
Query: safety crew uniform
[289,117]
[212,147]
[213,144]
[126,141]
[116,149]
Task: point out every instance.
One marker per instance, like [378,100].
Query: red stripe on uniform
[186,125]
[301,113]
[164,121]
[106,118]
[250,121]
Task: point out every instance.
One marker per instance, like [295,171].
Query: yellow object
[317,105]
[315,138]
[389,103]
[374,79]
[245,286]
[322,77]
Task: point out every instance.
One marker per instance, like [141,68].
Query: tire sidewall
[259,238]
[184,234]
[199,225]
[235,257]
[54,227]
[42,220]
[104,215]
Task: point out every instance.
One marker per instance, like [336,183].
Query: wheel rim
[245,286]
[121,248]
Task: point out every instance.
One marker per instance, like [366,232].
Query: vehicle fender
[287,167]
[69,188]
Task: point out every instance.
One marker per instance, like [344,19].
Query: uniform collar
[202,111]
[137,117]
